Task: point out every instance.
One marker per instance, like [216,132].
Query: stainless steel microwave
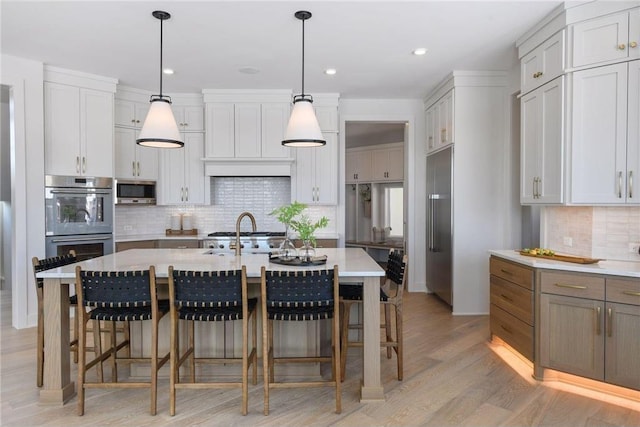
[133,192]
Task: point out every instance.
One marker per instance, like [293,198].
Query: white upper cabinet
[189,118]
[604,153]
[134,161]
[388,163]
[542,142]
[130,113]
[78,130]
[543,64]
[244,124]
[440,122]
[182,179]
[608,38]
[357,166]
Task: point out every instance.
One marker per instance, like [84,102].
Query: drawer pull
[506,272]
[609,322]
[508,330]
[598,321]
[562,285]
[506,298]
[635,294]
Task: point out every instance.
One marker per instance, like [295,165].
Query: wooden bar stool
[390,296]
[124,296]
[211,296]
[299,295]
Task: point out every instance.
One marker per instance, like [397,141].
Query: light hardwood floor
[452,378]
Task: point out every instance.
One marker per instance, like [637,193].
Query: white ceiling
[207,42]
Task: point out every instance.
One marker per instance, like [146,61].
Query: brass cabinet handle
[562,285]
[506,272]
[622,46]
[78,164]
[598,321]
[133,167]
[635,294]
[138,168]
[633,44]
[537,74]
[506,329]
[630,184]
[538,182]
[133,120]
[186,193]
[506,298]
[84,164]
[609,322]
[182,194]
[620,185]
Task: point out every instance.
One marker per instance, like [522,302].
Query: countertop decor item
[559,257]
[297,261]
[285,215]
[160,129]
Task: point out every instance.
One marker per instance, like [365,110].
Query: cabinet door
[351,159]
[326,170]
[194,168]
[395,165]
[633,134]
[543,64]
[96,132]
[623,345]
[600,39]
[125,153]
[274,123]
[542,144]
[305,174]
[247,130]
[429,118]
[445,120]
[220,130]
[125,113]
[190,118]
[599,133]
[171,186]
[62,129]
[572,335]
[634,33]
[146,162]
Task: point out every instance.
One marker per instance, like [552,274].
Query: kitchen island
[354,265]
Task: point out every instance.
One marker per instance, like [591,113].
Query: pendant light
[160,129]
[303,129]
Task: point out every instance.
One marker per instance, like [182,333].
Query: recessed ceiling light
[249,70]
[330,71]
[168,71]
[420,51]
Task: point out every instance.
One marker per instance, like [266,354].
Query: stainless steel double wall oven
[78,215]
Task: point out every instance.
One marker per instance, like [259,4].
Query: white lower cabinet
[316,173]
[181,179]
[134,161]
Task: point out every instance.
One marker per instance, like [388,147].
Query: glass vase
[306,251]
[287,250]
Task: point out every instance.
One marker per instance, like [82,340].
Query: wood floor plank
[452,377]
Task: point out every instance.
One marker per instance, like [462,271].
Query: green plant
[306,229]
[286,213]
[365,193]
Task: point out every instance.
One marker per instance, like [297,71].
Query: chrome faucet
[238,221]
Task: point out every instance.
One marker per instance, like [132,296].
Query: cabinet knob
[633,44]
[622,46]
[133,120]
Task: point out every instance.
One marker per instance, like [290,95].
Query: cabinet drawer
[512,298]
[178,244]
[512,272]
[572,285]
[512,330]
[625,291]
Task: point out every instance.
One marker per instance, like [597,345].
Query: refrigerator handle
[432,213]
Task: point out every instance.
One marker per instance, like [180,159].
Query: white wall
[26,80]
[397,110]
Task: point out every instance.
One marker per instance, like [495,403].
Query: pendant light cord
[161,21]
[302,58]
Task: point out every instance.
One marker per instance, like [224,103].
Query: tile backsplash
[598,232]
[230,196]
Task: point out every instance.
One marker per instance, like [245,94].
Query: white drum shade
[160,129]
[303,129]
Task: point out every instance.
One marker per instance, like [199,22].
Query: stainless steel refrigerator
[439,224]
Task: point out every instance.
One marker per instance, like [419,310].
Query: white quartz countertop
[352,262]
[615,268]
[158,236]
